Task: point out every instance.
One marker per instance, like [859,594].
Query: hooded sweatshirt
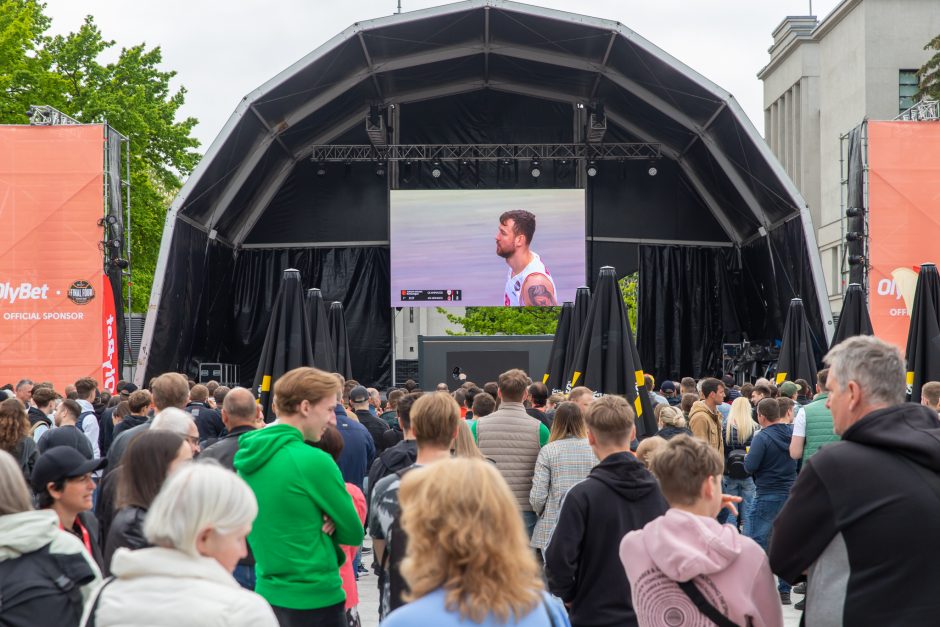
[769,460]
[297,565]
[729,569]
[581,564]
[30,531]
[862,520]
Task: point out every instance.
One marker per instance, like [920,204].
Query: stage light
[120,263]
[854,236]
[652,170]
[380,168]
[436,169]
[535,169]
[854,212]
[592,168]
[321,168]
[856,260]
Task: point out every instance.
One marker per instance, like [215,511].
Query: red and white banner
[110,368]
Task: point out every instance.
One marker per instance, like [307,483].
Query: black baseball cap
[127,387]
[62,462]
[358,394]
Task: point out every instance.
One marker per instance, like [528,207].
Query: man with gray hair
[241,414]
[860,521]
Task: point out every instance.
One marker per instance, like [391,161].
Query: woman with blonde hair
[563,462]
[738,432]
[467,558]
[671,422]
[464,445]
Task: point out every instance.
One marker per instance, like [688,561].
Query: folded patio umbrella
[340,340]
[287,342]
[797,359]
[324,353]
[582,302]
[923,339]
[607,361]
[554,377]
[854,319]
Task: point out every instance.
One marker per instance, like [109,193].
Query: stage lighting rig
[597,125]
[535,169]
[321,168]
[592,168]
[436,169]
[375,127]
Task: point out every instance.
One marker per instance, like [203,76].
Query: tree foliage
[132,94]
[928,77]
[528,320]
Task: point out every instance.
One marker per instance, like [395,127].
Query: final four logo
[81,292]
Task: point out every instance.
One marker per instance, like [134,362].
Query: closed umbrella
[582,302]
[324,354]
[554,377]
[797,359]
[854,319]
[340,340]
[923,339]
[607,360]
[287,341]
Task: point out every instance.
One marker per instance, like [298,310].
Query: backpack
[43,589]
[393,556]
[80,423]
[734,464]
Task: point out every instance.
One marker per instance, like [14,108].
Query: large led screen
[486,247]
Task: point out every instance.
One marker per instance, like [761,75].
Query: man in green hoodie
[304,510]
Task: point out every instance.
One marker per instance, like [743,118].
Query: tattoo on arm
[539,295]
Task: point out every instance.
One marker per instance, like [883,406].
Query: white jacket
[30,531]
[159,587]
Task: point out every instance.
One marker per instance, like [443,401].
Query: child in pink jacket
[688,544]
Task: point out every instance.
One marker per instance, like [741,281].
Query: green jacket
[297,565]
[819,428]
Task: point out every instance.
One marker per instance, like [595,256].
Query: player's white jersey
[512,296]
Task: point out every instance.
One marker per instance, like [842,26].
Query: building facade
[826,77]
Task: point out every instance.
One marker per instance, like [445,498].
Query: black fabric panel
[627,202]
[178,315]
[681,318]
[776,269]
[357,277]
[486,117]
[349,202]
[856,199]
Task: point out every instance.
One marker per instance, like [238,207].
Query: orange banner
[51,292]
[903,221]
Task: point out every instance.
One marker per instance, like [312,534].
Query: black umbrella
[854,319]
[324,354]
[554,376]
[582,302]
[287,341]
[923,339]
[340,341]
[607,360]
[797,359]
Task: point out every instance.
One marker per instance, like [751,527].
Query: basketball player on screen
[529,282]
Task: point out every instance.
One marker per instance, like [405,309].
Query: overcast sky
[223,50]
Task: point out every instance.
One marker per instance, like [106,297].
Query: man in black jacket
[208,420]
[401,455]
[620,495]
[359,402]
[861,517]
[66,433]
[241,415]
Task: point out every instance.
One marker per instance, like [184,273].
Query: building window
[907,88]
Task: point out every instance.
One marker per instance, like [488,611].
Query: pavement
[369,598]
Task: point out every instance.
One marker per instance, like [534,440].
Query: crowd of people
[500,504]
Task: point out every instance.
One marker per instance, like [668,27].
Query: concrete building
[826,77]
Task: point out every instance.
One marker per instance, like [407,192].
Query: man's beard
[505,254]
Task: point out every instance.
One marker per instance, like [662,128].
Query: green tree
[929,76]
[132,94]
[528,320]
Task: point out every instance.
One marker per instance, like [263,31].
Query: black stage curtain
[691,300]
[682,314]
[216,307]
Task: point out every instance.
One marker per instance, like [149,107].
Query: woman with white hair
[197,526]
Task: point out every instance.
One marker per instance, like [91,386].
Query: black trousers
[332,616]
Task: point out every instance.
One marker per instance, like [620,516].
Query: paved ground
[369,599]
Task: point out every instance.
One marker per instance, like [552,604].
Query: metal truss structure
[44,115]
[486,152]
[923,111]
